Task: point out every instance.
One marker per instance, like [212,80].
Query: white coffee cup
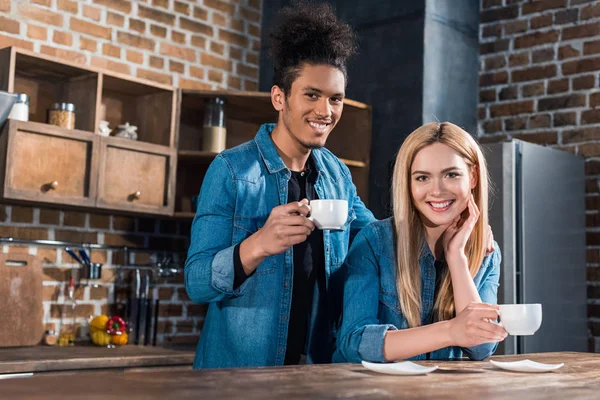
[521,319]
[329,214]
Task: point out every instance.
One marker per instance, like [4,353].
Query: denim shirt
[248,326]
[371,306]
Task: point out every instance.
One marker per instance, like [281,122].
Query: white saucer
[399,368]
[526,366]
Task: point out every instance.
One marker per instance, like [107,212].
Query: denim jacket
[371,306]
[248,326]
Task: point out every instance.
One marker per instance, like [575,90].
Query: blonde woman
[419,285]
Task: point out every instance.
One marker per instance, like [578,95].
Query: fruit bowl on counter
[108,332]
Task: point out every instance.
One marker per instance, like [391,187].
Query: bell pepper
[98,323]
[116,324]
[101,338]
[120,339]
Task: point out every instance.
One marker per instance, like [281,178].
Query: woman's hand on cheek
[457,234]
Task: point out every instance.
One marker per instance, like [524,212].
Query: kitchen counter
[577,379]
[86,357]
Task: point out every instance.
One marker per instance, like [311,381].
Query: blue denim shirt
[248,326]
[371,306]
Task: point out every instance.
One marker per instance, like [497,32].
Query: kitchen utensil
[133,307]
[7,100]
[155,327]
[94,271]
[143,308]
[21,300]
[74,256]
[85,257]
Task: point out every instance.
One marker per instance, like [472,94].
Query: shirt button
[302,173]
[427,305]
[281,350]
[286,283]
[326,249]
[283,317]
[430,273]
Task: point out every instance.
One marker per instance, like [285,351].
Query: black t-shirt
[309,267]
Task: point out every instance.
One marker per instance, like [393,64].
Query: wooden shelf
[245,112]
[184,155]
[354,163]
[184,215]
[196,155]
[91,171]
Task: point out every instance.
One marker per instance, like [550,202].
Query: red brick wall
[539,71]
[180,320]
[208,44]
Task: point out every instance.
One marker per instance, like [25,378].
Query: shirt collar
[273,160]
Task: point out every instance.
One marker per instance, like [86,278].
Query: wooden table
[578,379]
[81,357]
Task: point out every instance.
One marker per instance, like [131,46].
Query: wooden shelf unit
[245,113]
[118,165]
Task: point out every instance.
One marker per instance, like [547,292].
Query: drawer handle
[49,186]
[135,195]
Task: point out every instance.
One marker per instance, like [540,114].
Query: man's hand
[286,226]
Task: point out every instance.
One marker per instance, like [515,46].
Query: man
[271,278]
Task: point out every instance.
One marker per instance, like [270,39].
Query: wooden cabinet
[46,164]
[136,177]
[245,113]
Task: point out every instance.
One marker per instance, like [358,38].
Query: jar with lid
[214,130]
[20,110]
[63,115]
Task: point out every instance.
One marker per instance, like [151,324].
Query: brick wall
[204,44]
[180,320]
[539,82]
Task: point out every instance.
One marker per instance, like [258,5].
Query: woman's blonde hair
[409,228]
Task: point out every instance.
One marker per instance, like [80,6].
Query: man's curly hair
[309,33]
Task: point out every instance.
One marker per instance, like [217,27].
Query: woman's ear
[474,177]
[277,98]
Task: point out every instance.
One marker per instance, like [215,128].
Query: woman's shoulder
[382,229]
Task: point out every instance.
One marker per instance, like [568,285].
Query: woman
[419,285]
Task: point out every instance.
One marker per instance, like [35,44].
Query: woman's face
[440,184]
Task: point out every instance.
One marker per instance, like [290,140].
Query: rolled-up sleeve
[488,292]
[361,336]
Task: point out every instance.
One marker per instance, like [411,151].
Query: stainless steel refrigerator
[537,215]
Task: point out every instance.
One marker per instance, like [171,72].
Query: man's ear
[277,98]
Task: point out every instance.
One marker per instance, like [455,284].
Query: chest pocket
[244,227]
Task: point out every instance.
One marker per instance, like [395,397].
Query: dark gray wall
[389,71]
[450,77]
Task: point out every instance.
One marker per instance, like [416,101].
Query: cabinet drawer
[49,164]
[136,176]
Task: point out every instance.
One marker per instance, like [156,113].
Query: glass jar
[63,115]
[20,110]
[214,130]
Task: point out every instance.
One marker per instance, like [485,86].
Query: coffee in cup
[329,214]
[520,319]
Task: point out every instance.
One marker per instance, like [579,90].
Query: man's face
[314,105]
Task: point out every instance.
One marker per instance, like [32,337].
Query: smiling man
[271,279]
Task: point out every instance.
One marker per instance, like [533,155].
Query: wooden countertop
[46,358]
[579,378]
